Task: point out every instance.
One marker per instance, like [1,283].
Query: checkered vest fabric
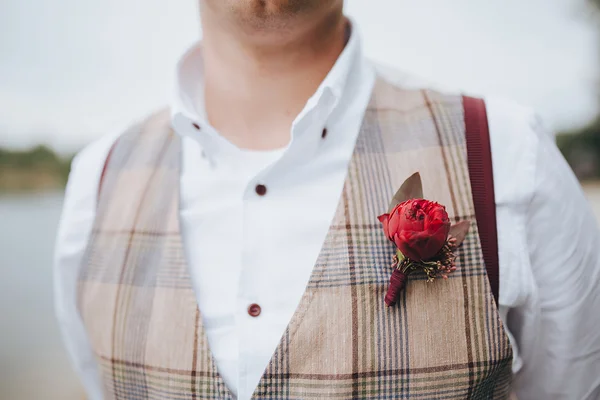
[443,340]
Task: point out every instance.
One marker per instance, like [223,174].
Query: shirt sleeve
[549,266]
[73,233]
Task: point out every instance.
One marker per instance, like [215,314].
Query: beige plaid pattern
[442,340]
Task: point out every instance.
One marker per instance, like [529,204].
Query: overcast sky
[72,70]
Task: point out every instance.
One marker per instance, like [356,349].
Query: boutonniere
[422,233]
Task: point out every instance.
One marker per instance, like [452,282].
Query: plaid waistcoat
[442,340]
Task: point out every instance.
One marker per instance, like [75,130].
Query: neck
[254,89]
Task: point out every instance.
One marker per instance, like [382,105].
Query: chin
[274,12]
[279,7]
[273,20]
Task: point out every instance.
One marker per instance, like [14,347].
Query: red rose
[418,227]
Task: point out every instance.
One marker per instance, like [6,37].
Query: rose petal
[385,219]
[394,222]
[431,248]
[404,242]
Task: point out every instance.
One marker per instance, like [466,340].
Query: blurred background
[73,70]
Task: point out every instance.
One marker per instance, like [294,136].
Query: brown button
[261,190]
[254,310]
[195,125]
[324,133]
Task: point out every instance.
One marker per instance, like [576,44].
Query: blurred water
[33,363]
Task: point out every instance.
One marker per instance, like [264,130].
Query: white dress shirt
[549,268]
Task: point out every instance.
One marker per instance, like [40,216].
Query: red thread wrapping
[397,283]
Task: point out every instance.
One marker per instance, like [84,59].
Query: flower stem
[397,283]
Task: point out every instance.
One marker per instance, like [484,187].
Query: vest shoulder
[393,95]
[404,91]
[93,156]
[155,124]
[397,87]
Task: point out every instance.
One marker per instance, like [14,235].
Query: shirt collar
[188,112]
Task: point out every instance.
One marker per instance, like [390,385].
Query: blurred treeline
[581,147]
[39,168]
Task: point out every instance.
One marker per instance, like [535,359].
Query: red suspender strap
[479,156]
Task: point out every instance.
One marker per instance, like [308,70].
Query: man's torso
[390,130]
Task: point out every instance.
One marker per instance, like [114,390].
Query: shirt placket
[251,310]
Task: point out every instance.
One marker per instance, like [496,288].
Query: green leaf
[412,188]
[459,231]
[400,256]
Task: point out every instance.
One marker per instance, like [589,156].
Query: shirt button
[261,190]
[195,125]
[254,310]
[324,133]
